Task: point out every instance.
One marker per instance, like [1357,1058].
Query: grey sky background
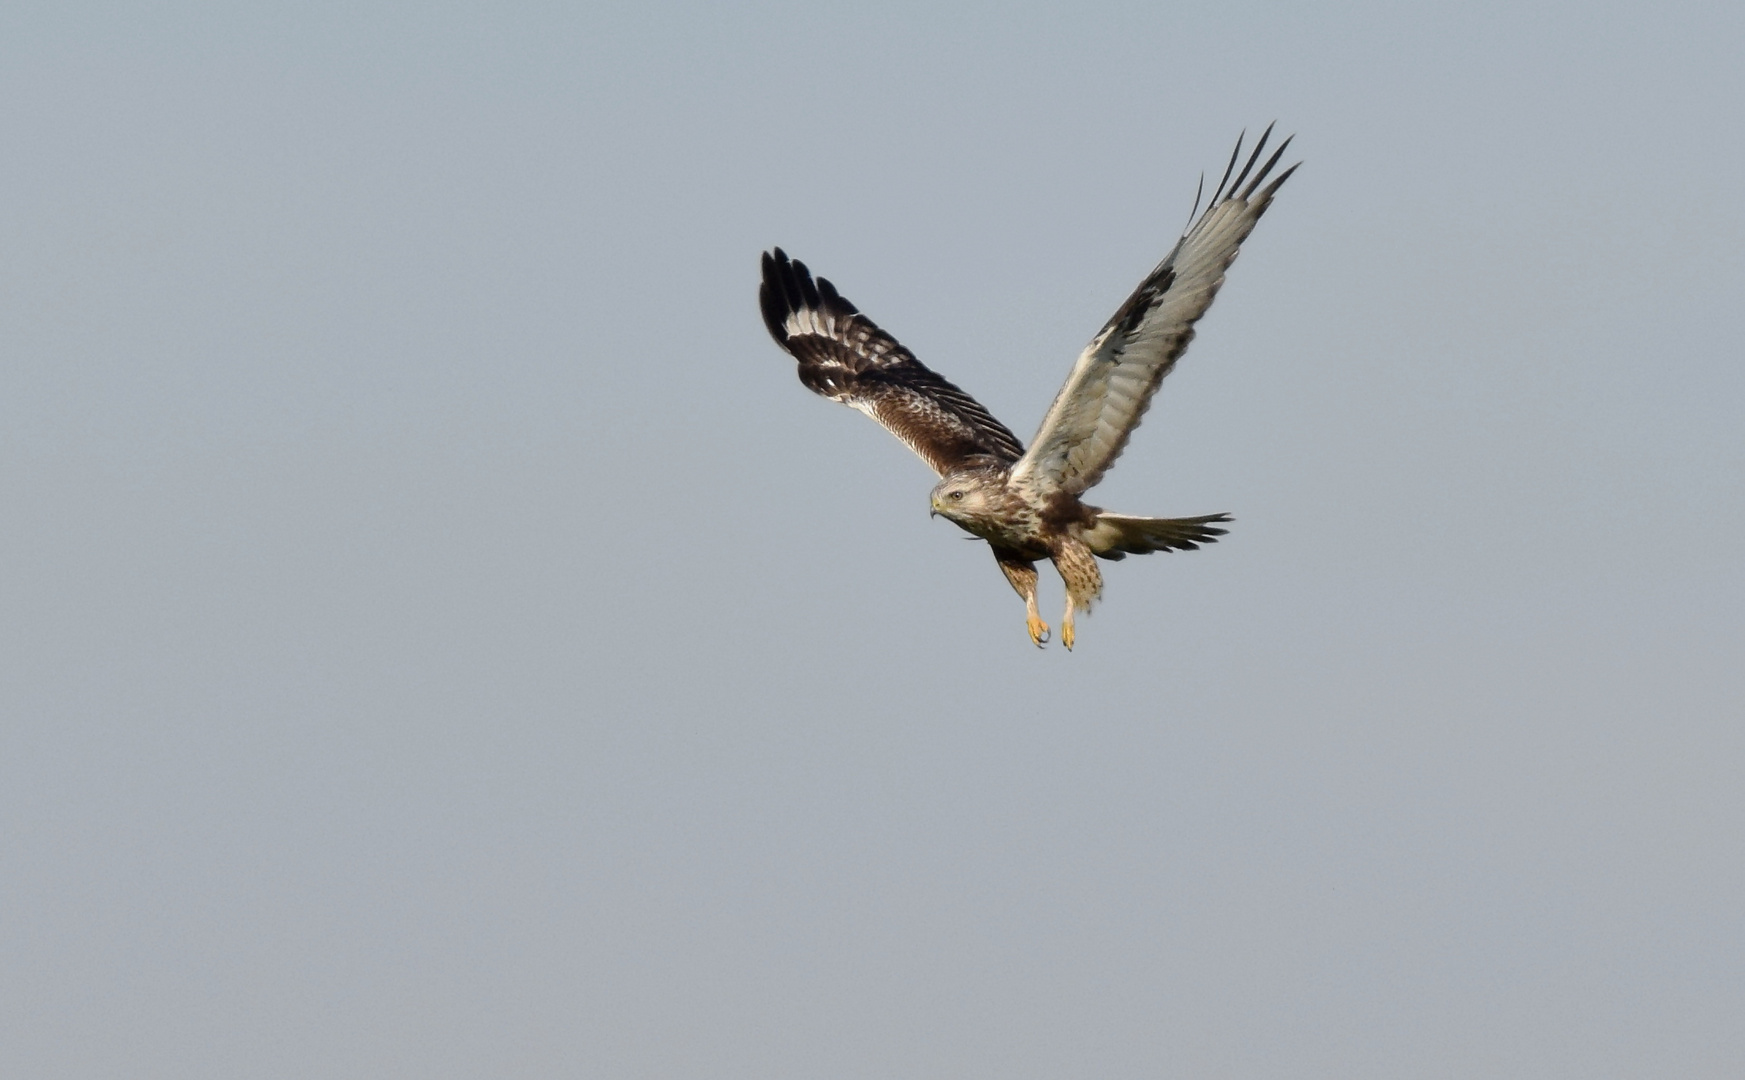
[440,638]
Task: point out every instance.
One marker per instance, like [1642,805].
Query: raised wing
[844,357]
[1088,425]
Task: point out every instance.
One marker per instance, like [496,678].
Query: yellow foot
[1066,635]
[1038,631]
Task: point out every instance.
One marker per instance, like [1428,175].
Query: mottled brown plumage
[1026,503]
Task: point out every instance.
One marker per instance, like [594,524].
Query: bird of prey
[1026,503]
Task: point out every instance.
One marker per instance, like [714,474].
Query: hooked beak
[934,511]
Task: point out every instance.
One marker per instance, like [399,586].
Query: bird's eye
[956,496]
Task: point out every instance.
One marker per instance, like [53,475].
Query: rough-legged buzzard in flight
[1026,504]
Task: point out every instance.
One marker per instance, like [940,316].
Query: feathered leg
[1084,582]
[1021,572]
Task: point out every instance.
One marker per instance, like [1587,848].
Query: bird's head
[967,499]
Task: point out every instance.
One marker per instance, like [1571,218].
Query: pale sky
[439,636]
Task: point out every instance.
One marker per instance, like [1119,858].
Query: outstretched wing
[844,357]
[1088,425]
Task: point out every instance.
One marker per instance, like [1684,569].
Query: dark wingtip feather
[801,292]
[1218,192]
[835,302]
[1266,194]
[1260,176]
[1259,145]
[773,296]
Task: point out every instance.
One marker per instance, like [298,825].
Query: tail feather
[1116,536]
